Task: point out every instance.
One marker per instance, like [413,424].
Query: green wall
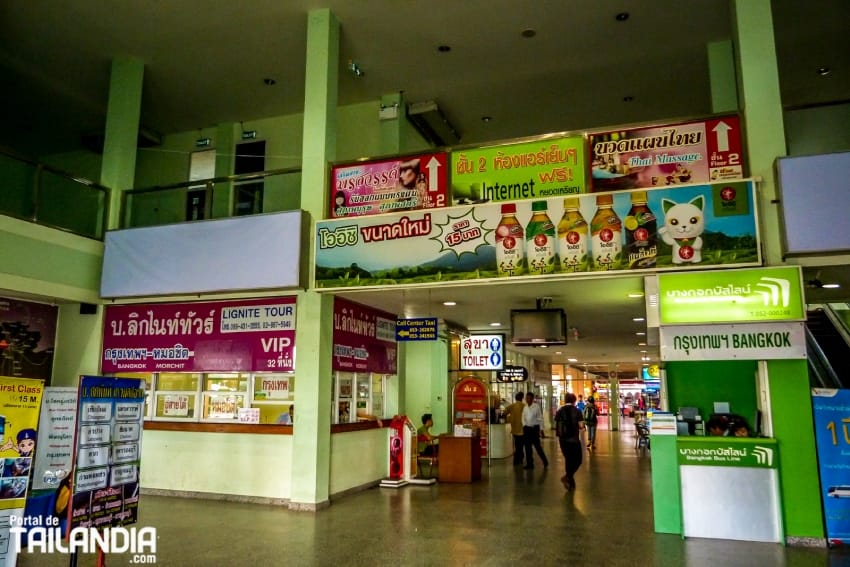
[426,386]
[700,384]
[791,406]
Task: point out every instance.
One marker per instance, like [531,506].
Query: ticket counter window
[273,395]
[223,396]
[176,396]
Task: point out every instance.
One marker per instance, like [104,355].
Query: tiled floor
[512,517]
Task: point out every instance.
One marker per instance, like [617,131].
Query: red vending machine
[470,403]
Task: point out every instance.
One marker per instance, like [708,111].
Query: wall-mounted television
[537,327]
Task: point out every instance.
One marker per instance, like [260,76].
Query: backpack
[566,422]
[590,414]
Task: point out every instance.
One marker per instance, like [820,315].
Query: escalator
[828,348]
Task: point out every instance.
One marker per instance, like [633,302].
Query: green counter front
[717,487]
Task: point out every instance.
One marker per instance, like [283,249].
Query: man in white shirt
[532,427]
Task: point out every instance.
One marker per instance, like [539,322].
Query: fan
[815,282]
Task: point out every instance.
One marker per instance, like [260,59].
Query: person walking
[568,426]
[532,430]
[591,419]
[513,415]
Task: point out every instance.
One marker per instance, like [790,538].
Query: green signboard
[728,452]
[731,296]
[531,170]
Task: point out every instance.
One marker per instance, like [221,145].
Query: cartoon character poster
[20,403]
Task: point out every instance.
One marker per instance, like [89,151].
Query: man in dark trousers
[513,415]
[532,429]
[568,425]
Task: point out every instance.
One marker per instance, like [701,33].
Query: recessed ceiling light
[268,81]
[823,71]
[486,119]
[449,303]
[641,344]
[495,324]
[628,98]
[444,48]
[640,334]
[572,360]
[636,294]
[831,286]
[544,346]
[622,16]
[643,351]
[528,33]
[638,319]
[558,352]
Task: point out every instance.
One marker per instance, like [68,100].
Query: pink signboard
[364,339]
[693,152]
[399,184]
[226,336]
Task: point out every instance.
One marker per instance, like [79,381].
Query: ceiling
[206,62]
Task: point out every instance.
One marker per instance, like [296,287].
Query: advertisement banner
[529,170]
[400,184]
[750,341]
[242,335]
[27,334]
[694,152]
[729,452]
[363,338]
[684,227]
[832,435]
[108,452]
[733,296]
[56,428]
[20,402]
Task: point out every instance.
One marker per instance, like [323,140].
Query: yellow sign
[20,403]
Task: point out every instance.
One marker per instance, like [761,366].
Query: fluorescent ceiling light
[636,294]
[495,324]
[449,303]
[831,286]
[572,360]
[638,319]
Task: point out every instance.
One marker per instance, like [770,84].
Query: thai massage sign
[530,170]
[363,339]
[694,152]
[684,227]
[733,296]
[729,452]
[399,184]
[749,341]
[244,335]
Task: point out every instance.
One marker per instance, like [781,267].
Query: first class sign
[482,352]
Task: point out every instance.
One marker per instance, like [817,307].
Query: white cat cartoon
[683,225]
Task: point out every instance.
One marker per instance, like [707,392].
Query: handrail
[214,180]
[60,172]
[820,362]
[837,322]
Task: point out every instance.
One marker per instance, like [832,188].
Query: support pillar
[721,75]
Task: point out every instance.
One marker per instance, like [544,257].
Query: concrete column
[314,319]
[721,71]
[118,169]
[392,135]
[761,102]
[613,399]
[226,136]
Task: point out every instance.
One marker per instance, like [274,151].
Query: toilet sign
[482,352]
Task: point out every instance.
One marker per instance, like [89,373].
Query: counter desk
[460,459]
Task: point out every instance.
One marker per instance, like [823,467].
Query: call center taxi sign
[482,352]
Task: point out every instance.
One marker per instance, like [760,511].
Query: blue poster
[832,432]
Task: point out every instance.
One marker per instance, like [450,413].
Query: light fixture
[444,48]
[636,294]
[495,324]
[572,360]
[528,33]
[638,319]
[355,69]
[640,334]
[641,344]
[831,286]
[449,303]
[622,16]
[823,71]
[486,119]
[558,352]
[268,81]
[544,346]
[628,98]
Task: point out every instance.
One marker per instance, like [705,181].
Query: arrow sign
[722,132]
[433,167]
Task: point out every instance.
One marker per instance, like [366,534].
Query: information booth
[734,456]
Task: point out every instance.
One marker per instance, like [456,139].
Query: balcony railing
[220,197]
[45,195]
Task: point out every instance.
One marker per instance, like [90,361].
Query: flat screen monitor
[689,413]
[537,327]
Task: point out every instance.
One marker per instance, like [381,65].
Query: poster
[683,227]
[529,170]
[399,184]
[20,402]
[27,335]
[363,340]
[675,154]
[108,452]
[56,428]
[832,434]
[241,335]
